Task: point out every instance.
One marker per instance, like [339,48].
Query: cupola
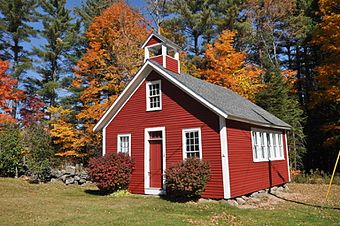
[163,51]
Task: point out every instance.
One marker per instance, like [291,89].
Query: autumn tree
[8,93]
[227,67]
[16,29]
[323,108]
[111,60]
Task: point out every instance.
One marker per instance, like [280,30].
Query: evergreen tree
[56,57]
[197,20]
[15,29]
[92,8]
[281,102]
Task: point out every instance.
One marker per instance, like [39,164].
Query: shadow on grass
[97,192]
[305,204]
[179,199]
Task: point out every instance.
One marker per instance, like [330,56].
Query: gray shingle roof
[226,100]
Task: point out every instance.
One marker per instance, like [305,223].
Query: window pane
[192,146]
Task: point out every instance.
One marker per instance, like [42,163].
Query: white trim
[120,99]
[147,189]
[287,153]
[267,151]
[148,108]
[146,53]
[118,141]
[153,45]
[235,118]
[148,39]
[224,158]
[164,54]
[184,141]
[104,142]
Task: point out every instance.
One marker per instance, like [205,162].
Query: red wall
[153,40]
[247,176]
[158,59]
[172,64]
[179,111]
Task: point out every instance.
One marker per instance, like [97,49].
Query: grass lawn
[22,203]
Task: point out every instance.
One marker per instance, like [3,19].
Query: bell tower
[163,51]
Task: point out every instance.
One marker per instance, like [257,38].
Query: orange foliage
[328,37]
[111,60]
[227,67]
[8,93]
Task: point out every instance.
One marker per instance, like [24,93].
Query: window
[124,143]
[267,145]
[153,96]
[192,143]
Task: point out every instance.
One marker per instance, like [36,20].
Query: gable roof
[218,99]
[163,39]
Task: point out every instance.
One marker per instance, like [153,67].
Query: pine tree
[54,57]
[200,21]
[279,100]
[15,29]
[92,8]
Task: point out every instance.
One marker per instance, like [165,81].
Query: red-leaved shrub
[111,172]
[187,179]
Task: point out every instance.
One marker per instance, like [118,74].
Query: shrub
[313,177]
[111,172]
[11,150]
[40,152]
[187,179]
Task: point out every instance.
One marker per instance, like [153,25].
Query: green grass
[22,203]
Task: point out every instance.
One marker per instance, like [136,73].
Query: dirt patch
[304,194]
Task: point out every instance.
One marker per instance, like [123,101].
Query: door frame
[147,189]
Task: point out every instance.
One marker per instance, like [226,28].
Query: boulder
[69,180]
[240,201]
[232,202]
[70,170]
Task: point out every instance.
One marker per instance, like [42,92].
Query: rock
[232,202]
[69,180]
[53,180]
[223,201]
[254,195]
[76,178]
[82,181]
[280,189]
[240,201]
[245,197]
[70,170]
[262,191]
[273,188]
[285,187]
[63,178]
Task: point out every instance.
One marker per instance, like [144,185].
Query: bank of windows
[192,143]
[267,145]
[153,96]
[124,143]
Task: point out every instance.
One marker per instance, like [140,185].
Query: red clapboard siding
[179,111]
[158,59]
[172,64]
[153,40]
[247,176]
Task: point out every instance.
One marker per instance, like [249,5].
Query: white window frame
[119,136]
[148,107]
[184,131]
[272,152]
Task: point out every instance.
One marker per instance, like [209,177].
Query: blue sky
[71,4]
